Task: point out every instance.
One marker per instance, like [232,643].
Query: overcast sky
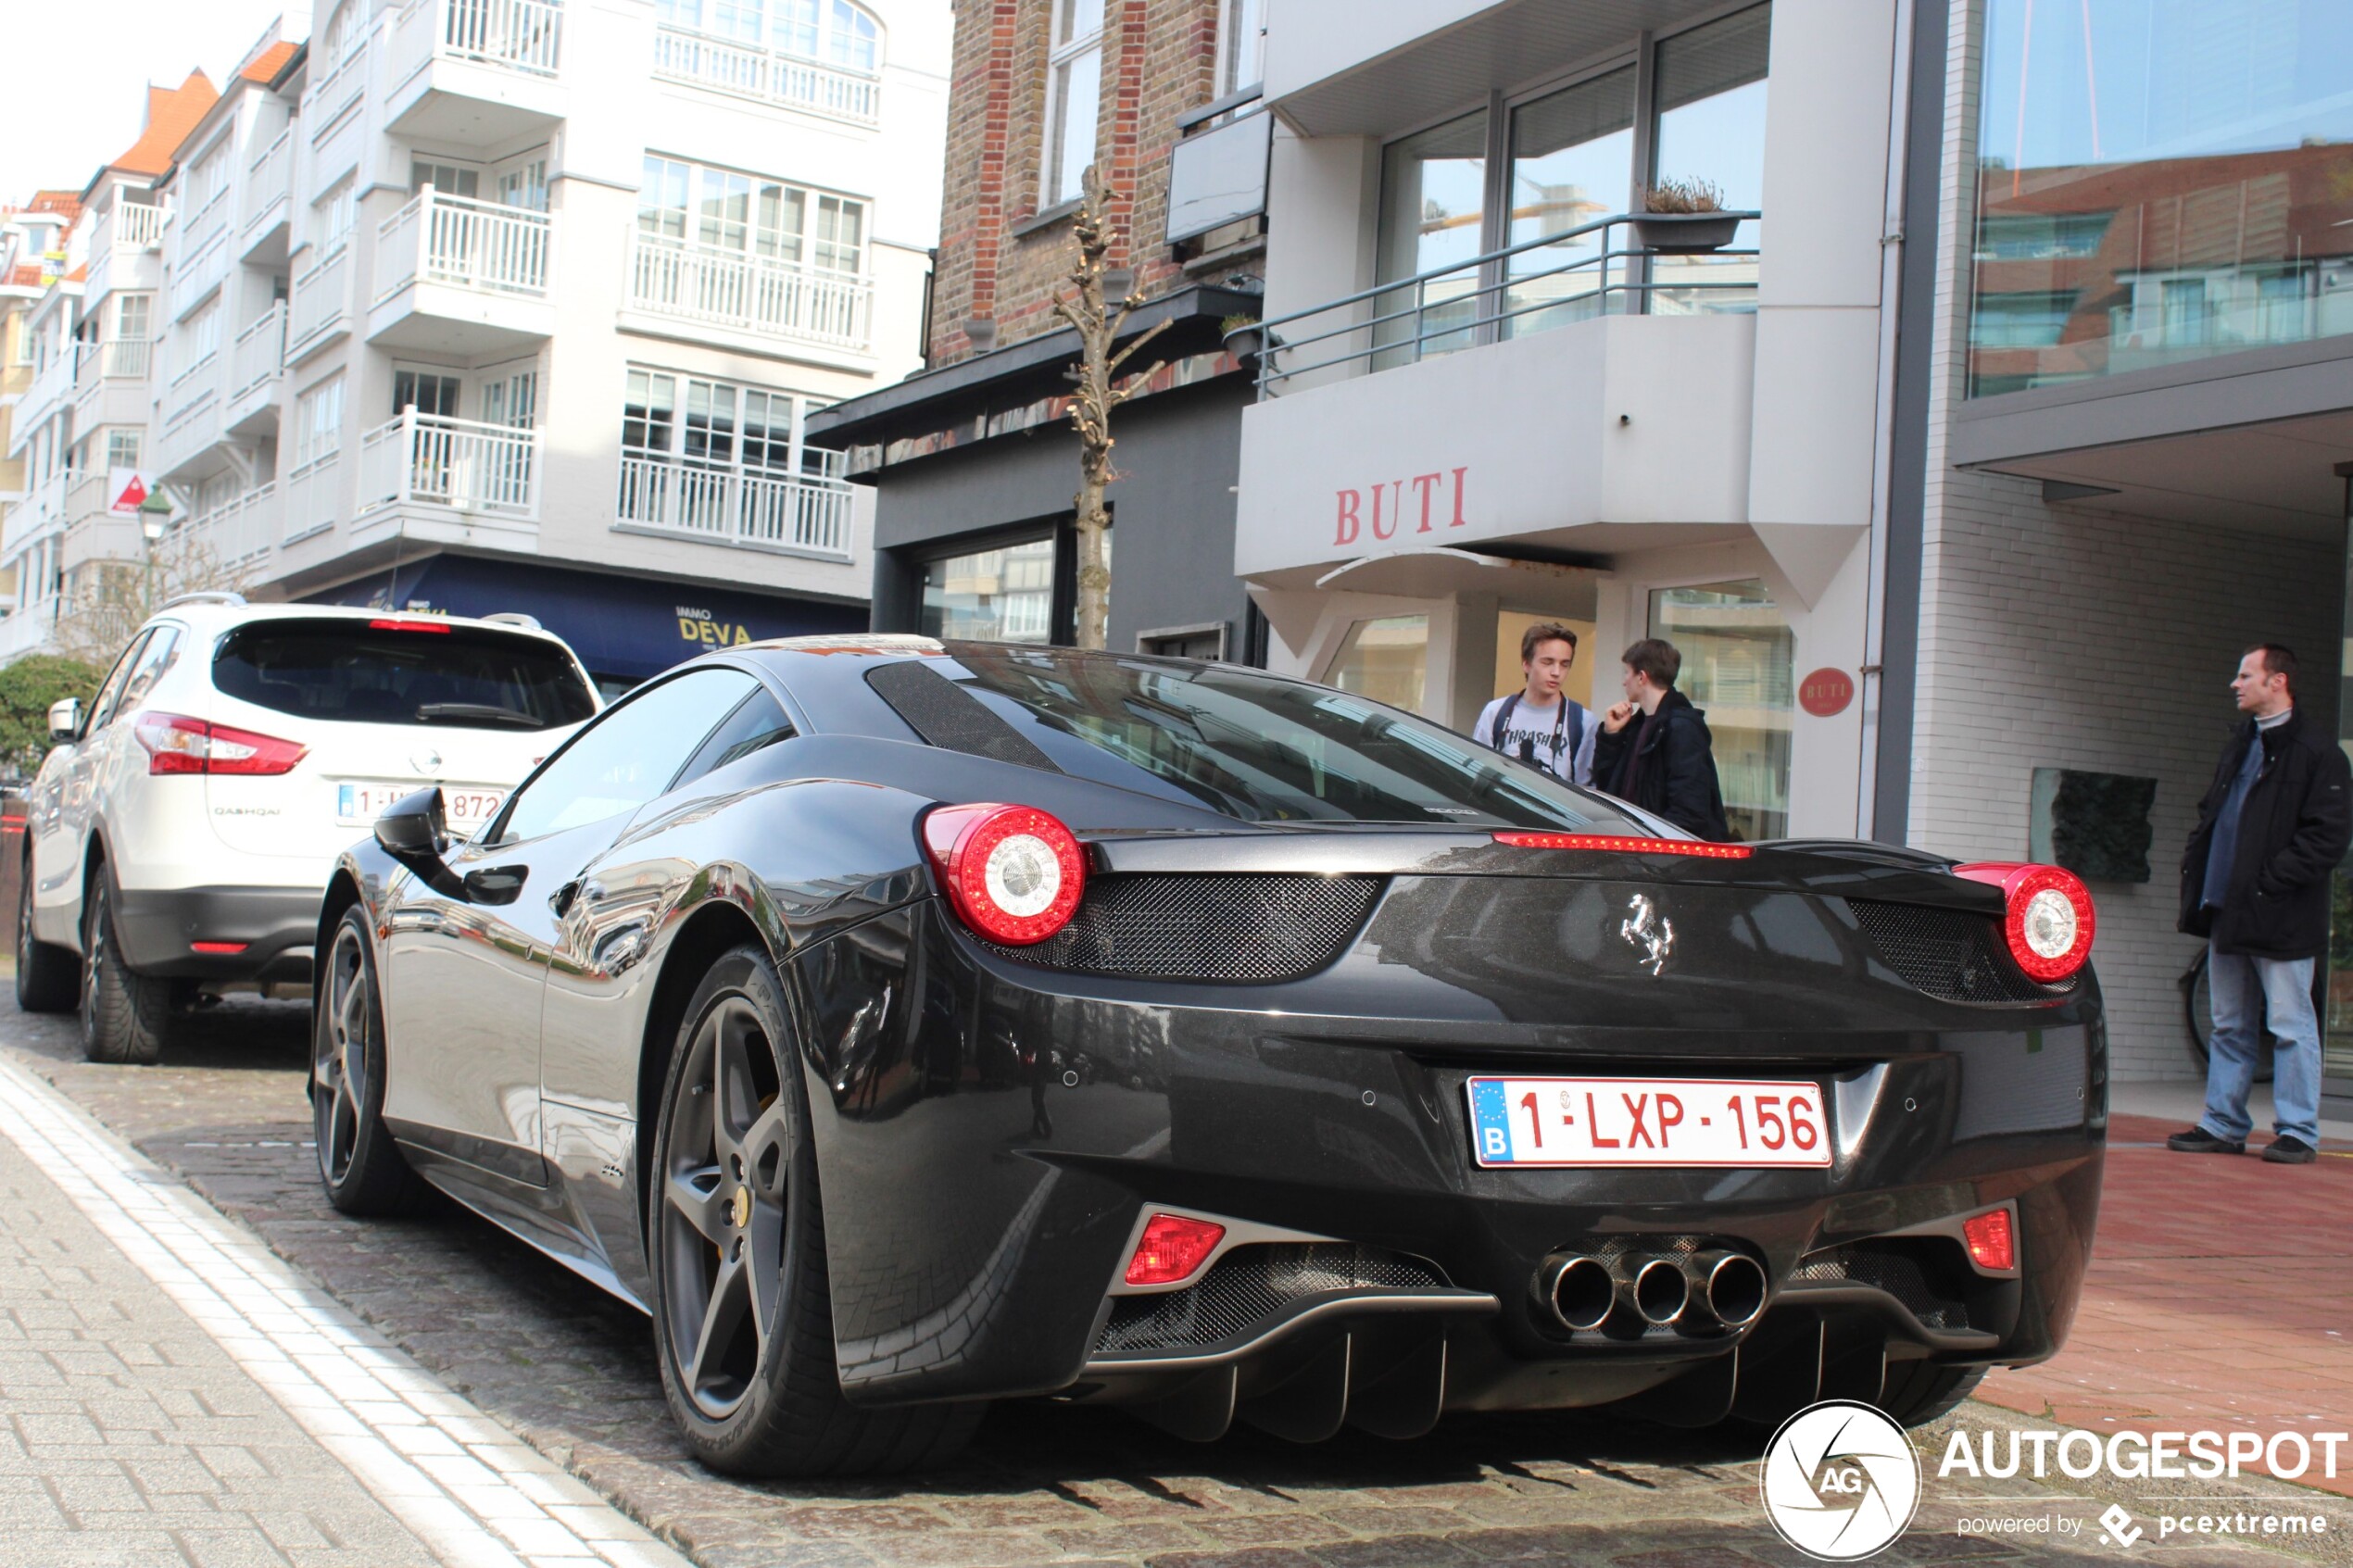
[76,90]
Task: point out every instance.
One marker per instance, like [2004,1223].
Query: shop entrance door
[1738,658]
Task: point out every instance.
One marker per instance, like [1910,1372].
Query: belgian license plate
[358,805]
[1646,1121]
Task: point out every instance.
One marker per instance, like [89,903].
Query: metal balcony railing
[805,515]
[749,72]
[430,460]
[749,292]
[464,242]
[1514,292]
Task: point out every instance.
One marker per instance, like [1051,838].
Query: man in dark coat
[2255,883]
[1653,749]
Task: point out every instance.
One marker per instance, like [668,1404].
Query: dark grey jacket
[2293,831]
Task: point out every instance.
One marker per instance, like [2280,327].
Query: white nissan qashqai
[181,832]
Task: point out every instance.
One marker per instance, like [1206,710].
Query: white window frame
[122,446]
[318,423]
[1068,50]
[740,399]
[816,245]
[1242,46]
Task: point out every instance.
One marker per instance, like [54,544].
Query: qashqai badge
[1841,1480]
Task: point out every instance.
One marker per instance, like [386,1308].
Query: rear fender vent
[1233,927]
[1951,954]
[1251,1285]
[1926,1290]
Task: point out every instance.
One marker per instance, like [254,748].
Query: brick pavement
[572,1372]
[2221,1296]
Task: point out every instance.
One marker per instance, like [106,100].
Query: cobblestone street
[570,1372]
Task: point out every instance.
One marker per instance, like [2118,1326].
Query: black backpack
[1575,720]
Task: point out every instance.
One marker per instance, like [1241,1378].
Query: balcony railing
[137,227]
[467,244]
[259,356]
[322,299]
[240,532]
[329,95]
[267,181]
[1514,292]
[749,72]
[51,385]
[193,277]
[809,515]
[192,422]
[121,359]
[520,35]
[749,292]
[430,460]
[28,627]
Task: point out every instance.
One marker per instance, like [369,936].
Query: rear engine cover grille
[1248,927]
[1251,1284]
[1950,953]
[1898,1274]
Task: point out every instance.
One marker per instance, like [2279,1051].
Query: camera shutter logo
[1841,1480]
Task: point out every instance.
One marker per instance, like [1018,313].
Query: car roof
[213,615]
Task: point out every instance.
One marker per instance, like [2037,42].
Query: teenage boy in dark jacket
[1655,749]
[2255,883]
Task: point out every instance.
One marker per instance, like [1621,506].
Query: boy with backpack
[1540,724]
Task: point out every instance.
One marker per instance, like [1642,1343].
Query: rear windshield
[464,677]
[1264,749]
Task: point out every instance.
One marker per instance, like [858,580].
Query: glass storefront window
[2159,180]
[1572,162]
[1433,212]
[1738,665]
[1004,595]
[1385,660]
[1711,129]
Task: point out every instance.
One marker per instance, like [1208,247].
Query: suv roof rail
[206,596]
[514,618]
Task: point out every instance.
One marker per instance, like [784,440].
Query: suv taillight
[177,744]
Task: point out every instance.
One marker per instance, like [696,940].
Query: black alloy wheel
[125,1013]
[48,977]
[360,1165]
[743,1315]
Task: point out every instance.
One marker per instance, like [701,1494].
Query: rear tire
[358,1163]
[48,977]
[124,1014]
[1918,1392]
[736,1236]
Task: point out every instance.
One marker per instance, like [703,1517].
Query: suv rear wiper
[479,712]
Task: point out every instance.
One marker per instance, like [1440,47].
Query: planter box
[1684,234]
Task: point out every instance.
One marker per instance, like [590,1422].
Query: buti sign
[1388,507]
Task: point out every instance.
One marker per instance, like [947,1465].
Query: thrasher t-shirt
[1541,735]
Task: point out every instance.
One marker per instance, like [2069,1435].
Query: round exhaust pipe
[1576,1290]
[1657,1289]
[1729,1286]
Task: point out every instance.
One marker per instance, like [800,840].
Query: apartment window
[833,31]
[122,448]
[710,424]
[132,312]
[318,423]
[337,216]
[447,179]
[524,186]
[1074,98]
[428,392]
[1739,663]
[743,214]
[1433,214]
[1004,594]
[1572,162]
[1241,45]
[1708,128]
[200,337]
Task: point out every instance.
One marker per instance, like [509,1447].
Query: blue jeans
[2247,994]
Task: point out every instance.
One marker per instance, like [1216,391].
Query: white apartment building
[519,305]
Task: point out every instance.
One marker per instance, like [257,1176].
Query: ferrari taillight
[1172,1248]
[1992,1240]
[1014,873]
[177,744]
[2047,915]
[1617,845]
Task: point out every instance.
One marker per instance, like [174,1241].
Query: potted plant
[1684,218]
[1242,336]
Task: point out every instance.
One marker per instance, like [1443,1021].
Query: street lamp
[154,513]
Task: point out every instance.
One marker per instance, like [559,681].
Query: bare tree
[113,596]
[1098,322]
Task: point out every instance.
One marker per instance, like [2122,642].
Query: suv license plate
[1646,1121]
[359,805]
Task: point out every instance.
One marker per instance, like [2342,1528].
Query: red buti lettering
[1378,532]
[1345,532]
[1423,483]
[1459,518]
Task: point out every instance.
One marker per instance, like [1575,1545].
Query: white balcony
[730,293]
[313,496]
[124,242]
[200,226]
[117,359]
[257,374]
[240,536]
[745,70]
[455,275]
[28,628]
[192,426]
[461,465]
[335,89]
[196,275]
[99,534]
[137,227]
[805,516]
[261,233]
[41,511]
[474,70]
[321,308]
[51,388]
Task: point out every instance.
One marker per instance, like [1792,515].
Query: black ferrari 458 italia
[907,1025]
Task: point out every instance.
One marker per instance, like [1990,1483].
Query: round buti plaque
[1826,692]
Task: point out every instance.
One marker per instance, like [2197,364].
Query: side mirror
[65,719]
[414,831]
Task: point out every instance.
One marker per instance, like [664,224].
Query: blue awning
[623,628]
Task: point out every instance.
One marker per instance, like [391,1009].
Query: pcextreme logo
[1841,1480]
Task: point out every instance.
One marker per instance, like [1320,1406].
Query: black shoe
[2197,1140]
[2288,1150]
